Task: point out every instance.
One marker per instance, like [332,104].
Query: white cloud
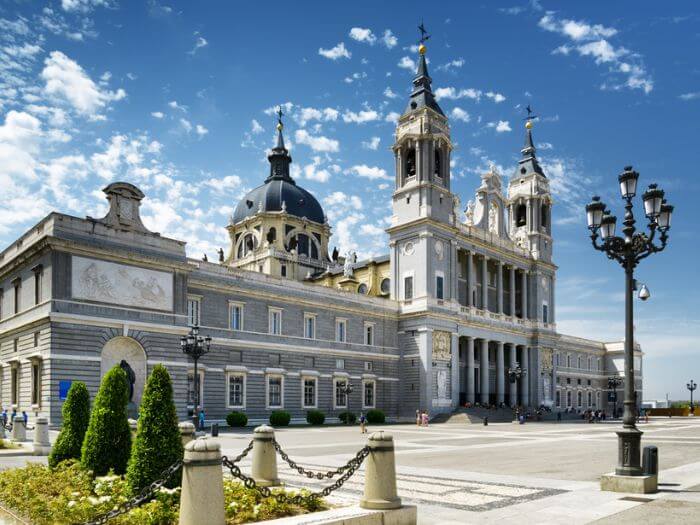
[361,116]
[186,125]
[454,94]
[175,105]
[355,76]
[452,64]
[306,114]
[501,126]
[545,146]
[459,114]
[372,143]
[343,200]
[223,184]
[407,63]
[157,114]
[388,93]
[314,172]
[83,6]
[363,35]
[371,229]
[256,128]
[199,43]
[389,40]
[336,52]
[392,117]
[67,81]
[369,172]
[319,143]
[201,130]
[690,96]
[496,97]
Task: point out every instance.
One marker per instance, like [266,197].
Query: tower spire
[529,161]
[422,95]
[279,156]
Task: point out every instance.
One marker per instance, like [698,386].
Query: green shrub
[237,419]
[375,416]
[315,417]
[107,442]
[280,418]
[347,417]
[76,414]
[158,444]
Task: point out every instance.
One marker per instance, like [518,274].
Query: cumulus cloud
[336,52]
[199,43]
[388,93]
[452,64]
[501,126]
[372,143]
[66,81]
[393,116]
[455,94]
[83,6]
[318,143]
[389,40]
[313,171]
[496,97]
[407,63]
[458,113]
[304,115]
[363,35]
[361,117]
[690,96]
[369,172]
[255,127]
[201,130]
[157,114]
[371,229]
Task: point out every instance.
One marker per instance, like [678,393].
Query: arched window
[246,246]
[362,289]
[438,164]
[385,286]
[579,399]
[558,396]
[578,362]
[590,399]
[520,215]
[411,163]
[544,216]
[306,246]
[271,235]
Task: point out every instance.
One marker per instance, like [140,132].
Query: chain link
[146,493]
[243,454]
[298,499]
[305,472]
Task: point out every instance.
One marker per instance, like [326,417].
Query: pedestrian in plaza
[418,418]
[425,418]
[12,418]
[201,419]
[4,417]
[25,418]
[363,424]
[559,416]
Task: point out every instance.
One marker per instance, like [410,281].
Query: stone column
[484,283]
[454,379]
[42,444]
[499,284]
[525,381]
[202,496]
[19,431]
[513,387]
[484,369]
[264,464]
[512,291]
[523,295]
[500,374]
[454,273]
[380,474]
[471,391]
[470,284]
[187,432]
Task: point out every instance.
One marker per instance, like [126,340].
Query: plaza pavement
[537,473]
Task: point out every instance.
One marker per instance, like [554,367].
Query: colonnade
[517,393]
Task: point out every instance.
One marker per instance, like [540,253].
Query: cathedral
[456,312]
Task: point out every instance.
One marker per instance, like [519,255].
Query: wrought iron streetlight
[195,346]
[613,383]
[515,374]
[347,389]
[628,251]
[691,386]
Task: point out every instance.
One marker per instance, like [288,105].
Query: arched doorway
[120,349]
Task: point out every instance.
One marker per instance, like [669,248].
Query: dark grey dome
[271,195]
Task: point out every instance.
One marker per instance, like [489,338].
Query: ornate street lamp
[613,383]
[691,386]
[347,390]
[514,374]
[628,250]
[195,346]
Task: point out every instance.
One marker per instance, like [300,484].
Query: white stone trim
[314,378]
[231,305]
[267,391]
[230,374]
[345,379]
[374,393]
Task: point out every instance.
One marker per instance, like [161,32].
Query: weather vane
[530,116]
[279,118]
[423,33]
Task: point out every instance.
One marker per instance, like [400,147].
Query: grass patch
[69,494]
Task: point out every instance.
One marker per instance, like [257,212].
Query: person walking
[4,417]
[25,418]
[425,418]
[363,424]
[418,418]
[559,416]
[201,419]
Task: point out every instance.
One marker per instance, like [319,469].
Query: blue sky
[176,98]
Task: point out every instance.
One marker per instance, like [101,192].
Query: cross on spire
[279,114]
[423,33]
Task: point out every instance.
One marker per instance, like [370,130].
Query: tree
[76,414]
[158,443]
[108,439]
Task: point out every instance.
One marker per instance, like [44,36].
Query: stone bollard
[187,431]
[380,474]
[42,444]
[264,468]
[133,425]
[19,431]
[202,495]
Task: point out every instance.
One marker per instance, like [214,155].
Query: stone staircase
[475,415]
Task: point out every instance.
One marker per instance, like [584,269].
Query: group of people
[422,418]
[11,417]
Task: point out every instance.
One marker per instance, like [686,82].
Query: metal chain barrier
[305,472]
[243,454]
[146,494]
[349,469]
[27,427]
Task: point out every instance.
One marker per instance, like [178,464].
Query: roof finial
[280,127]
[423,37]
[530,117]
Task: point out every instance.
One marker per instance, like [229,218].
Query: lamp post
[516,374]
[613,383]
[691,386]
[195,346]
[346,389]
[628,251]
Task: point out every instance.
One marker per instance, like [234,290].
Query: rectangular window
[275,321]
[236,390]
[369,366]
[309,392]
[38,278]
[15,345]
[340,364]
[439,287]
[191,387]
[193,310]
[368,394]
[408,288]
[17,285]
[274,391]
[369,334]
[36,339]
[590,399]
[558,398]
[14,385]
[310,326]
[341,398]
[545,318]
[341,328]
[36,384]
[283,270]
[309,362]
[236,316]
[568,398]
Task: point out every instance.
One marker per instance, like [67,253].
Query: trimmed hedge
[158,443]
[347,417]
[280,418]
[375,416]
[76,415]
[237,419]
[315,417]
[107,442]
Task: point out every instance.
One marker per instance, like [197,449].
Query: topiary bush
[280,418]
[158,443]
[347,417]
[237,419]
[315,417]
[375,416]
[107,443]
[76,414]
